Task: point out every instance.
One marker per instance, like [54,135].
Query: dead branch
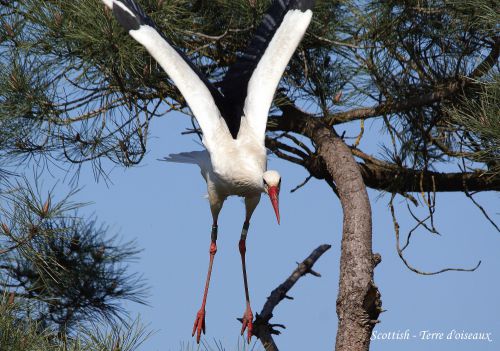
[405,261]
[262,328]
[481,208]
[301,184]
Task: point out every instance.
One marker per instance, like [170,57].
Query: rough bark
[358,302]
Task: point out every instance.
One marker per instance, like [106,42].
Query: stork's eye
[265,183]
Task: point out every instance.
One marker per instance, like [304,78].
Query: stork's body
[238,171]
[233,117]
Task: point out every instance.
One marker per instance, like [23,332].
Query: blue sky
[162,206]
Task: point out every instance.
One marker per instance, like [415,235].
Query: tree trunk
[358,301]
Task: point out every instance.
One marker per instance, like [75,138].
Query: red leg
[248,315]
[199,322]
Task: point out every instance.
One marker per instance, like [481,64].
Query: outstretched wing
[250,84]
[204,100]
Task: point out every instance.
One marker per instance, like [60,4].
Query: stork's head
[272,183]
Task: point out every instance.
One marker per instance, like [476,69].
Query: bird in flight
[232,116]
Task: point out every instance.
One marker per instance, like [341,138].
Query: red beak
[273,195]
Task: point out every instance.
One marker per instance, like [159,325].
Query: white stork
[233,118]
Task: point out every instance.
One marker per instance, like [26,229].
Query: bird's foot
[246,323]
[199,324]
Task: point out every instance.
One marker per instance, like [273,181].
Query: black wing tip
[125,18]
[302,5]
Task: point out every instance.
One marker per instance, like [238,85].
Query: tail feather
[193,157]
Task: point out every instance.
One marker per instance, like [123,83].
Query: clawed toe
[199,325]
[247,323]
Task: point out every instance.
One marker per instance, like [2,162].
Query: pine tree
[75,88]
